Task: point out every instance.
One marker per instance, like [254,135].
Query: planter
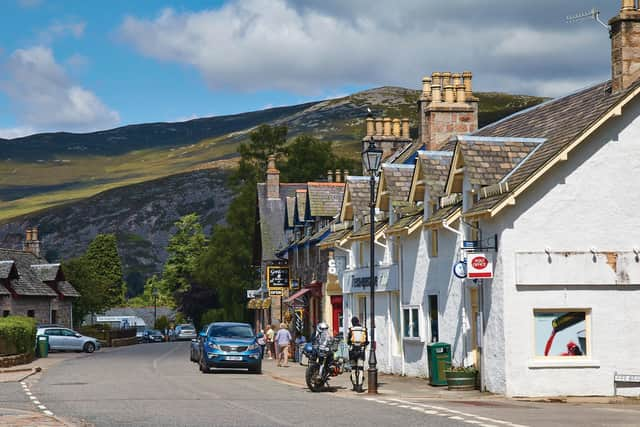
[461,380]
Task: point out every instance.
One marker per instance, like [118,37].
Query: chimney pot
[345,174]
[628,5]
[370,126]
[338,175]
[28,237]
[446,79]
[436,95]
[387,126]
[426,86]
[466,78]
[405,128]
[435,80]
[456,79]
[396,127]
[448,94]
[379,126]
[34,233]
[329,176]
[461,95]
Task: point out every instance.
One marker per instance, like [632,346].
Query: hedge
[17,334]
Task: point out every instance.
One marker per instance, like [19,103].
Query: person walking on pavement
[271,348]
[283,341]
[262,342]
[357,340]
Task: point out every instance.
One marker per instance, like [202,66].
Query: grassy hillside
[45,170]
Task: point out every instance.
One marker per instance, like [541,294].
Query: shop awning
[296,295]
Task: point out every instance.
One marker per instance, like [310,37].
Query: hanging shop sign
[278,277]
[460,270]
[479,267]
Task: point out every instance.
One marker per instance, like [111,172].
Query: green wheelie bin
[43,346]
[439,357]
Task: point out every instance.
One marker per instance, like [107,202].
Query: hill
[45,170]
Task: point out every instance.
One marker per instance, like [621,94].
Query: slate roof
[487,161]
[336,236]
[442,214]
[301,200]
[407,220]
[435,167]
[365,230]
[47,272]
[271,217]
[359,192]
[318,235]
[325,198]
[67,289]
[28,282]
[397,180]
[5,268]
[559,121]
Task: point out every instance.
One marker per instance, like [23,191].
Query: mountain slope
[46,170]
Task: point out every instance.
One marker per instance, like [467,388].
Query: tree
[263,141]
[104,261]
[146,298]
[92,294]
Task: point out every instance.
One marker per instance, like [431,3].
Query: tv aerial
[583,16]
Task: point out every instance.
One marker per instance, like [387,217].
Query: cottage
[31,286]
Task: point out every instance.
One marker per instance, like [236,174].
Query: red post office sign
[479,267]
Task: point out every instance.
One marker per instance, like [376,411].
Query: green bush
[162,323]
[19,333]
[212,315]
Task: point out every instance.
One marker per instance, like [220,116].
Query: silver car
[66,339]
[185,332]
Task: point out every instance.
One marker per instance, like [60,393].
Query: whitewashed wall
[589,201]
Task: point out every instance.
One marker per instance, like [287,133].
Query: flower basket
[461,378]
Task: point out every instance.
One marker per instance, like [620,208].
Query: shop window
[6,313]
[433,317]
[31,313]
[433,247]
[561,333]
[411,322]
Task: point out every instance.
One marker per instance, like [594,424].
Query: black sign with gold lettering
[278,277]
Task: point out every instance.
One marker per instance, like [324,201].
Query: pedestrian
[271,348]
[283,341]
[262,342]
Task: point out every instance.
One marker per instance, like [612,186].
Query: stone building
[30,286]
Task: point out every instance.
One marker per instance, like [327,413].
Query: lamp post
[371,159]
[154,292]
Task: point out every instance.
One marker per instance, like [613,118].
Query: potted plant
[461,378]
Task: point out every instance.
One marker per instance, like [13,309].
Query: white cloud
[45,98]
[310,47]
[62,29]
[17,132]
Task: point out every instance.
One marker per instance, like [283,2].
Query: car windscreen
[230,331]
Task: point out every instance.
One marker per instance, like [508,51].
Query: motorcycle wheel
[312,376]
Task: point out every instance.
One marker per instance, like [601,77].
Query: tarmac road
[157,385]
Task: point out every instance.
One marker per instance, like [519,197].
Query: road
[156,385]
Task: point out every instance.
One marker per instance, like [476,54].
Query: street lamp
[371,159]
[154,292]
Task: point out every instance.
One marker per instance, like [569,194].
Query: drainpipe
[400,286]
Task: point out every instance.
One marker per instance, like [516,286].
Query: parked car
[152,335]
[230,345]
[184,332]
[196,344]
[66,339]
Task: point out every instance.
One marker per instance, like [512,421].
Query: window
[360,254]
[433,247]
[54,316]
[562,333]
[68,333]
[53,332]
[411,322]
[362,309]
[31,313]
[6,313]
[433,317]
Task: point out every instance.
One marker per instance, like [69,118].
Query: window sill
[557,363]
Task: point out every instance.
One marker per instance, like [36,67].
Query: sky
[82,66]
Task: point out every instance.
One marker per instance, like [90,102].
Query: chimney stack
[451,109]
[31,243]
[625,46]
[273,178]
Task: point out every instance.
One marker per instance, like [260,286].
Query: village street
[155,384]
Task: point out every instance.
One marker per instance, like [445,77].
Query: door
[56,340]
[71,342]
[336,305]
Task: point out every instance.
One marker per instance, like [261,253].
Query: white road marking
[28,393]
[33,398]
[42,407]
[48,413]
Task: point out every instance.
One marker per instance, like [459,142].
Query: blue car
[230,345]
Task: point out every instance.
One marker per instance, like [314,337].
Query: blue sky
[73,66]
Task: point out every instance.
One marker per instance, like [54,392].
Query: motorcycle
[323,363]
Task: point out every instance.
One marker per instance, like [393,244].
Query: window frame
[564,360]
[407,323]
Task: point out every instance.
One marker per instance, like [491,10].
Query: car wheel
[203,366]
[89,347]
